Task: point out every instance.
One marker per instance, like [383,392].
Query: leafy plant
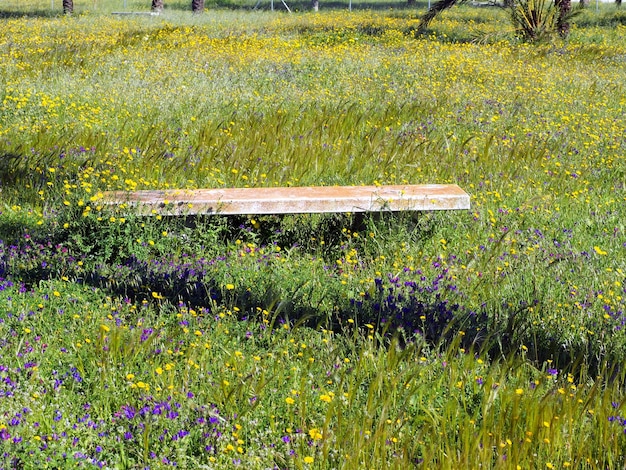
[534,20]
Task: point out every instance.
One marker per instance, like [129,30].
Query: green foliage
[534,20]
[108,381]
[489,338]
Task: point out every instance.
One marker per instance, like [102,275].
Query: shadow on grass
[299,5]
[610,19]
[425,303]
[12,14]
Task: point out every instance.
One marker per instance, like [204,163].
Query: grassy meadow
[491,338]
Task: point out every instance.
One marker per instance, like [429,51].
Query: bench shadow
[412,305]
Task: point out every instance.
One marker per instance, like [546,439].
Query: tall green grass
[491,338]
[284,396]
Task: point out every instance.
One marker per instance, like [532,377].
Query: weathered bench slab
[136,13]
[293,200]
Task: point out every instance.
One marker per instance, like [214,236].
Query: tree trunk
[584,3]
[410,3]
[197,6]
[437,7]
[68,7]
[157,6]
[315,4]
[618,3]
[564,7]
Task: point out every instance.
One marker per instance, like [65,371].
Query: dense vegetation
[492,337]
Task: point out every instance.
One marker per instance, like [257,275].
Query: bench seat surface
[294,200]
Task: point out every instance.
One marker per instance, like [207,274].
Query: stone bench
[292,200]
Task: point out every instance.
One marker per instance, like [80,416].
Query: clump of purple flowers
[418,302]
[170,421]
[618,419]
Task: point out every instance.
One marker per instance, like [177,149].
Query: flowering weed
[488,338]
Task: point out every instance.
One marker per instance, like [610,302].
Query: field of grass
[491,338]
